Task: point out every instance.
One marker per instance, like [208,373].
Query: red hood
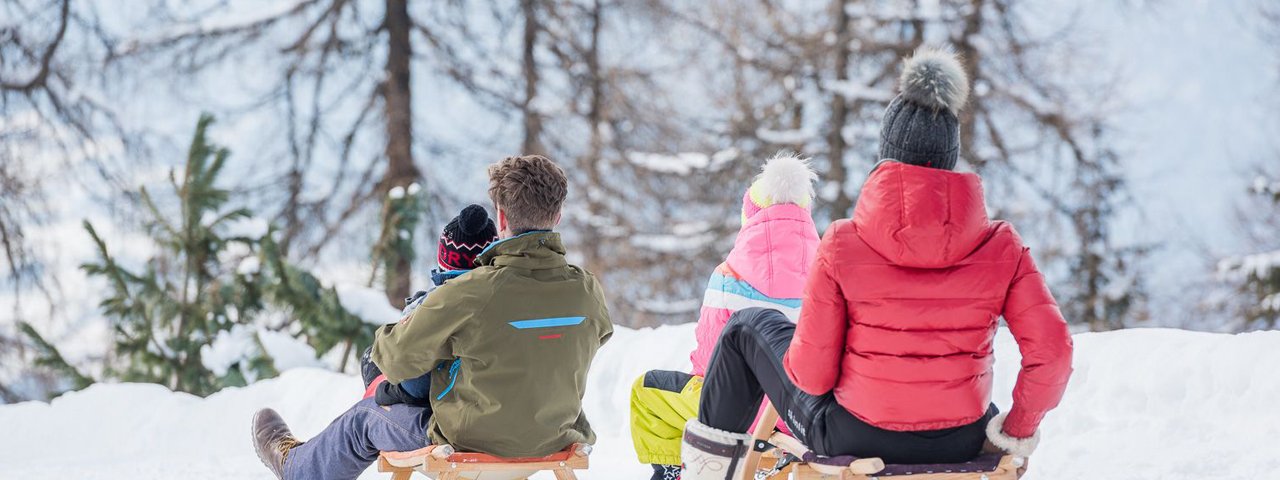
[921,217]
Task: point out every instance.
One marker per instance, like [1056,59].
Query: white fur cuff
[1018,447]
[715,434]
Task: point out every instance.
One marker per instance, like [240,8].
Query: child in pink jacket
[767,268]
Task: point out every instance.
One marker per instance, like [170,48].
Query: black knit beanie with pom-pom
[464,238]
[921,126]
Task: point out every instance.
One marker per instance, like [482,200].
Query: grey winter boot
[272,440]
[712,454]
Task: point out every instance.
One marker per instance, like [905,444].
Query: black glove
[412,302]
[389,394]
[368,371]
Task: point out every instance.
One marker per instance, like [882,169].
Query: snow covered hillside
[1143,404]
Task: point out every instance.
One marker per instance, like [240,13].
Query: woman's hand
[988,447]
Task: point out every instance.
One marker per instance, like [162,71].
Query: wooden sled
[444,463]
[769,446]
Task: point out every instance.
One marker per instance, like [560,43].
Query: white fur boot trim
[1018,447]
[712,454]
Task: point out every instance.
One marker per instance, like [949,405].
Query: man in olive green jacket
[508,346]
[524,327]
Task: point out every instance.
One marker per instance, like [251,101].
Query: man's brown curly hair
[530,190]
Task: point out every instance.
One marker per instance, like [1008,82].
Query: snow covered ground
[1143,404]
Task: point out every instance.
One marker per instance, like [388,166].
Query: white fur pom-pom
[787,178]
[1018,447]
[933,77]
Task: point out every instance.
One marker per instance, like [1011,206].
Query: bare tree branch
[46,57]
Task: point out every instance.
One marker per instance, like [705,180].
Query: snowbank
[1143,404]
[366,303]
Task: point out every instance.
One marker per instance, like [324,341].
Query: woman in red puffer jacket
[892,356]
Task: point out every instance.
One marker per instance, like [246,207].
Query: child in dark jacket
[463,239]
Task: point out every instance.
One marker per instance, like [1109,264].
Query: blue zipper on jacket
[453,376]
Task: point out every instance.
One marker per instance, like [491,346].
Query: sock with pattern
[666,472]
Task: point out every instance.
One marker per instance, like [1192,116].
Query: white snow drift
[1143,404]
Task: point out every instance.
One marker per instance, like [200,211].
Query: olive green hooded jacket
[509,345]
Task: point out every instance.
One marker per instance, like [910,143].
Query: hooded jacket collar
[774,249]
[921,217]
[534,250]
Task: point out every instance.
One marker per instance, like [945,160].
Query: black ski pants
[747,364]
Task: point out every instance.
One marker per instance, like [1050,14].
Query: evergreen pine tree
[402,212]
[1109,291]
[325,322]
[49,357]
[194,290]
[1256,277]
[184,296]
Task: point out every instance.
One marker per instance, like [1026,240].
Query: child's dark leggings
[747,364]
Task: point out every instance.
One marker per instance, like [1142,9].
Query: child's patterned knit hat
[464,238]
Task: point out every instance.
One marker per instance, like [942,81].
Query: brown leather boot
[272,440]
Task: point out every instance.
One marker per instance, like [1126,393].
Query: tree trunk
[972,57]
[595,148]
[842,204]
[532,144]
[401,170]
[346,354]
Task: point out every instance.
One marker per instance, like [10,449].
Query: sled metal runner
[445,463]
[783,454]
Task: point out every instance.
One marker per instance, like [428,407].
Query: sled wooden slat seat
[444,463]
[813,467]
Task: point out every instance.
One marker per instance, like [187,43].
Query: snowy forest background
[205,193]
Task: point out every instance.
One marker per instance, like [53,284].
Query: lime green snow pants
[661,402]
